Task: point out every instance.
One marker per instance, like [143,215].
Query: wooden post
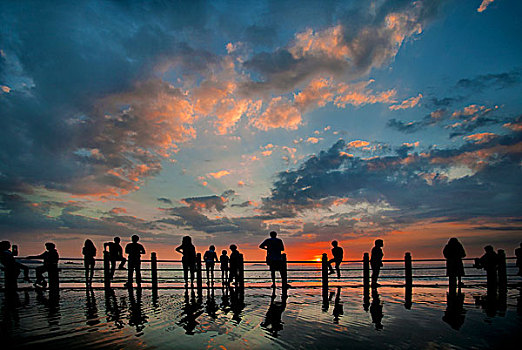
[284,273]
[366,270]
[408,270]
[324,271]
[154,270]
[241,272]
[106,270]
[199,277]
[502,275]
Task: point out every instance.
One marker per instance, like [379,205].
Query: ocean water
[225,319]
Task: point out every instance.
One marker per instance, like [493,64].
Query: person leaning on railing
[50,263]
[11,266]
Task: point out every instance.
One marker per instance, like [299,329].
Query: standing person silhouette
[223,259]
[50,263]
[274,259]
[189,258]
[337,253]
[89,252]
[489,262]
[11,266]
[115,254]
[234,260]
[376,261]
[454,252]
[134,251]
[210,257]
[518,254]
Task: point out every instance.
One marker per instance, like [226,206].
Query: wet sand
[76,319]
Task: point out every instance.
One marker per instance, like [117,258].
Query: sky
[322,120]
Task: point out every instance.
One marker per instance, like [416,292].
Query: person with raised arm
[11,266]
[50,264]
[115,254]
[189,258]
[134,250]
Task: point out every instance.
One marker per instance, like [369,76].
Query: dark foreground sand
[179,319]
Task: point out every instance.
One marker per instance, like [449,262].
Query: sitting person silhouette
[454,252]
[337,253]
[50,264]
[12,267]
[274,259]
[134,251]
[189,258]
[115,254]
[223,259]
[376,261]
[210,257]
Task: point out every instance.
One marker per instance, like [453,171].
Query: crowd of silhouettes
[231,265]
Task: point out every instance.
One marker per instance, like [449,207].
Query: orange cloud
[484,5]
[118,210]
[357,144]
[358,94]
[514,126]
[5,88]
[328,42]
[480,138]
[219,174]
[313,140]
[409,103]
[280,113]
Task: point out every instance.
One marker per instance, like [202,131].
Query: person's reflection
[211,306]
[488,302]
[190,312]
[327,298]
[112,309]
[237,302]
[225,302]
[91,311]
[52,304]
[376,309]
[455,312]
[338,306]
[10,318]
[273,319]
[137,317]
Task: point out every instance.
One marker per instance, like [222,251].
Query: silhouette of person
[115,254]
[454,252]
[273,319]
[376,261]
[189,258]
[223,259]
[489,262]
[210,257]
[234,264]
[518,254]
[455,312]
[337,253]
[376,310]
[338,306]
[50,264]
[11,266]
[274,259]
[89,252]
[134,251]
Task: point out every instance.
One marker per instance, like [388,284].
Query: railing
[320,280]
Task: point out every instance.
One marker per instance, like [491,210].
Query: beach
[223,319]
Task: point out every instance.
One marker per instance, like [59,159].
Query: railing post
[366,270]
[284,273]
[106,270]
[408,270]
[324,271]
[502,274]
[154,270]
[241,272]
[199,273]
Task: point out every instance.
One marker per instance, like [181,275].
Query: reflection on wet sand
[190,311]
[91,311]
[112,309]
[137,317]
[52,305]
[273,319]
[455,312]
[376,309]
